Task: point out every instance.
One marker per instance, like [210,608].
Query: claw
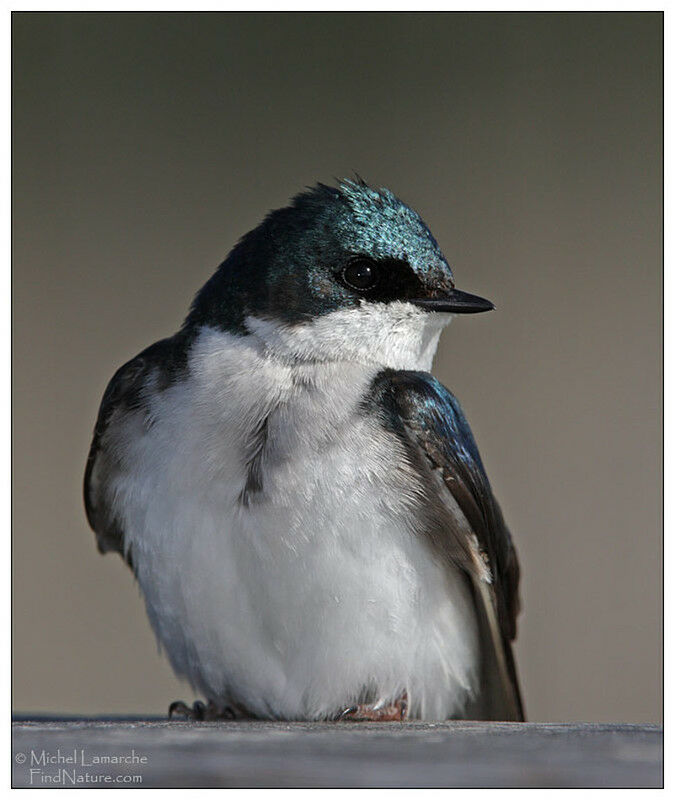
[180,708]
[347,712]
[200,712]
[396,712]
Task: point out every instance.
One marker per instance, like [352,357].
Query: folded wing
[461,520]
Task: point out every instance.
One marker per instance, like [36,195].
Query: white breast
[318,588]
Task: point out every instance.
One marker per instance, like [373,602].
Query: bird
[302,503]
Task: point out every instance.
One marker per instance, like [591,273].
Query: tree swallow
[302,503]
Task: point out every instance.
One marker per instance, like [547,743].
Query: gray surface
[268,754]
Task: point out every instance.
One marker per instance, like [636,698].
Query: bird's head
[344,273]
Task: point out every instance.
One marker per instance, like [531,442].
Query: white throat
[396,335]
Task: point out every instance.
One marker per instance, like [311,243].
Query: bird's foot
[396,712]
[200,712]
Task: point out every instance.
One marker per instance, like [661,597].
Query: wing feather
[463,520]
[124,395]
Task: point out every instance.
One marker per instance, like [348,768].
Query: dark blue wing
[439,443]
[165,361]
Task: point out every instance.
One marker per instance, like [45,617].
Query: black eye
[361,274]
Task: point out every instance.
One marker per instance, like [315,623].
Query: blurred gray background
[146,144]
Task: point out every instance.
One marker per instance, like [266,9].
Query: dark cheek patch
[295,300]
[324,287]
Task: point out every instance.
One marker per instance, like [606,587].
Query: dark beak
[454,302]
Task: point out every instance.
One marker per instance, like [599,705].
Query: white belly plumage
[317,589]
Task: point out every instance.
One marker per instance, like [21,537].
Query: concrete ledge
[155,753]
